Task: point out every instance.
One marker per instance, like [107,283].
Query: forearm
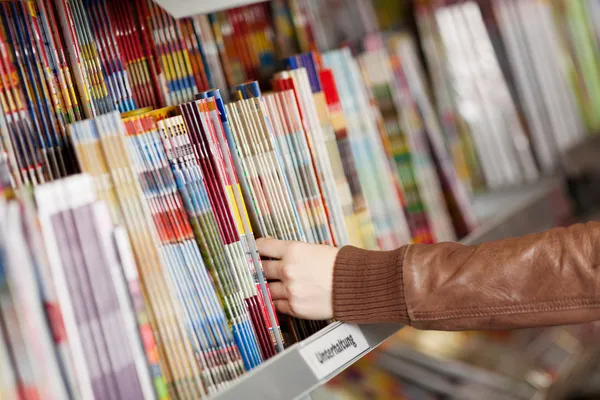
[551,278]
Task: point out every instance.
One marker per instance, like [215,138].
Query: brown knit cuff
[368,286]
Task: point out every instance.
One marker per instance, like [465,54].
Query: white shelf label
[334,349]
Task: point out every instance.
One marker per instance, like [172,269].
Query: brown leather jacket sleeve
[550,278]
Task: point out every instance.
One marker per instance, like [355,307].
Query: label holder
[339,346]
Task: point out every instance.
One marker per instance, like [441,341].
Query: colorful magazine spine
[174,349]
[210,53]
[22,312]
[190,182]
[263,165]
[223,137]
[407,146]
[381,191]
[210,336]
[455,190]
[20,140]
[36,99]
[333,181]
[360,225]
[198,124]
[455,129]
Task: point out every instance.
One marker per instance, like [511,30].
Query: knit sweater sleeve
[368,286]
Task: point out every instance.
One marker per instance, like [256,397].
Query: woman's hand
[305,275]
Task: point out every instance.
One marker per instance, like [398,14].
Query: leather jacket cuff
[368,286]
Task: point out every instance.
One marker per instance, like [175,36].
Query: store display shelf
[290,374]
[297,371]
[450,378]
[520,211]
[188,8]
[452,369]
[575,369]
[580,378]
[583,157]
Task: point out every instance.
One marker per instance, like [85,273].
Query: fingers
[273,269]
[273,248]
[278,291]
[283,306]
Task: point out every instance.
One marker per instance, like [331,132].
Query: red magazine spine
[149,50]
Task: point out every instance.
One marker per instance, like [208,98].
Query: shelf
[576,374]
[520,211]
[508,213]
[272,379]
[450,378]
[188,8]
[580,376]
[583,157]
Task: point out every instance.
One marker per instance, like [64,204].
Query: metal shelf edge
[189,8]
[288,376]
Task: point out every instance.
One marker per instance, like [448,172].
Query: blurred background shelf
[450,378]
[557,363]
[521,210]
[580,378]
